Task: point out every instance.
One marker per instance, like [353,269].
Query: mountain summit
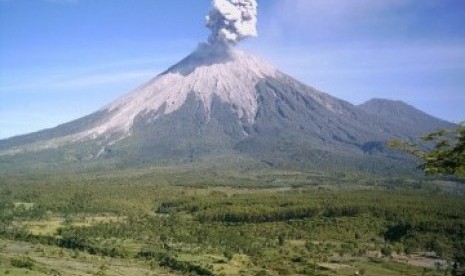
[222,101]
[211,71]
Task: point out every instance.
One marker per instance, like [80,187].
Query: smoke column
[230,21]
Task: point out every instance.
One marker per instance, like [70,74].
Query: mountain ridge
[220,100]
[407,114]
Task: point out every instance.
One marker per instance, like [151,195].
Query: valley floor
[160,222]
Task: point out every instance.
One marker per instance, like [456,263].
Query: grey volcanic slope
[59,131]
[219,102]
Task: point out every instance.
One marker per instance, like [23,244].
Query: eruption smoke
[230,21]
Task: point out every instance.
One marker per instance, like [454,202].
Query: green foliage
[10,212]
[447,155]
[6,213]
[387,251]
[22,262]
[187,267]
[195,229]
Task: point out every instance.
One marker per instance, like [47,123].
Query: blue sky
[62,59]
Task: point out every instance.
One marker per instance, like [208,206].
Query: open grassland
[166,221]
[50,260]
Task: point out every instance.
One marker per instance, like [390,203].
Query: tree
[446,154]
[6,213]
[281,239]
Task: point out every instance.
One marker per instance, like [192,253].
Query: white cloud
[230,21]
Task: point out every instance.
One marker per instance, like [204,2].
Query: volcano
[221,101]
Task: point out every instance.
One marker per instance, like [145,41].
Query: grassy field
[166,221]
[50,260]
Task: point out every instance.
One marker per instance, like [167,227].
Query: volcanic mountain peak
[211,70]
[220,101]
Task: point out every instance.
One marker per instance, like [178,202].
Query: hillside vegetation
[167,221]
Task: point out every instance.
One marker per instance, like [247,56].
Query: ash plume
[230,21]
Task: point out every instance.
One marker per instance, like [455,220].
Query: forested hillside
[269,223]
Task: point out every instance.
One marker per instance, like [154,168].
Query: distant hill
[403,114]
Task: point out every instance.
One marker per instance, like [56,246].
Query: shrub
[22,262]
[386,251]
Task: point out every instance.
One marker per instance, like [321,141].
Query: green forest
[166,221]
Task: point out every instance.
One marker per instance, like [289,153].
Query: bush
[22,262]
[228,255]
[386,251]
[187,267]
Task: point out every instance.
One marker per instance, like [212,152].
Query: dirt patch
[334,266]
[420,260]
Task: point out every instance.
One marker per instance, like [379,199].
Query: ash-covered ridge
[211,70]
